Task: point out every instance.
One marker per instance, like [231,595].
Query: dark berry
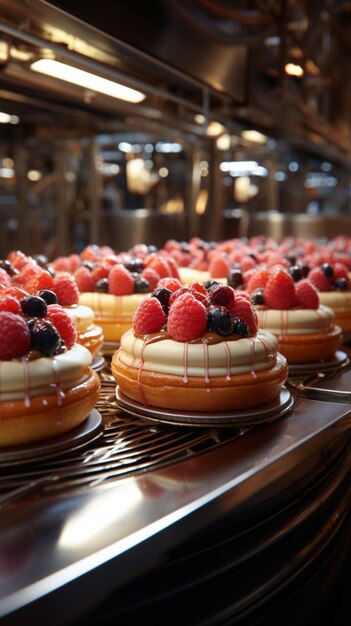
[141,284]
[163,295]
[235,278]
[184,246]
[33,306]
[102,285]
[45,338]
[88,264]
[295,272]
[51,270]
[222,295]
[134,265]
[341,284]
[304,268]
[252,256]
[152,249]
[41,260]
[241,328]
[291,258]
[327,269]
[257,297]
[8,267]
[220,321]
[209,284]
[30,322]
[49,296]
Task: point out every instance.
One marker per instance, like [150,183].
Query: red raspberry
[276,259]
[120,281]
[42,280]
[222,295]
[28,271]
[242,308]
[159,264]
[74,262]
[17,258]
[101,271]
[84,279]
[61,264]
[198,287]
[318,278]
[247,263]
[187,318]
[4,278]
[91,253]
[66,289]
[9,303]
[306,295]
[279,292]
[340,271]
[16,292]
[173,265]
[149,317]
[63,323]
[170,283]
[258,280]
[152,276]
[14,336]
[196,294]
[218,267]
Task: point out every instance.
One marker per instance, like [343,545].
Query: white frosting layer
[336,300]
[296,321]
[108,307]
[20,379]
[226,358]
[188,275]
[82,316]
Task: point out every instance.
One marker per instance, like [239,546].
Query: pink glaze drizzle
[60,394]
[229,360]
[206,360]
[252,357]
[185,362]
[26,396]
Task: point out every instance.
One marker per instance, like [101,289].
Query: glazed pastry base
[314,348]
[92,339]
[220,394]
[46,416]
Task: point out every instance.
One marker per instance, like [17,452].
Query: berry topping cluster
[186,313]
[329,277]
[33,323]
[275,288]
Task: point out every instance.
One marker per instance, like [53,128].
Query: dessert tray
[98,363]
[262,414]
[334,386]
[340,361]
[80,436]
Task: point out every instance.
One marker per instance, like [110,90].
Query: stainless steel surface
[261,414]
[113,533]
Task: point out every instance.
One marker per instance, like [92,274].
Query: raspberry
[61,264]
[242,309]
[120,281]
[222,295]
[151,276]
[306,295]
[276,259]
[14,336]
[218,267]
[247,263]
[74,262]
[340,271]
[66,289]
[258,280]
[101,270]
[28,271]
[279,291]
[9,303]
[84,279]
[17,258]
[5,278]
[16,292]
[41,281]
[170,283]
[200,287]
[318,278]
[91,253]
[187,318]
[173,265]
[63,324]
[149,317]
[180,292]
[159,264]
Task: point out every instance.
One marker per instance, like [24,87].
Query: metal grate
[127,445]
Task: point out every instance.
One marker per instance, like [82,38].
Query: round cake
[197,354]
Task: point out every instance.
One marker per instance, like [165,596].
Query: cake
[198,350]
[334,288]
[291,311]
[47,386]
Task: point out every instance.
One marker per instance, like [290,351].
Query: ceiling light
[254,136]
[71,74]
[294,70]
[215,128]
[6,118]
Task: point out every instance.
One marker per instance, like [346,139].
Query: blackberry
[49,296]
[220,321]
[45,338]
[134,265]
[41,260]
[291,258]
[102,285]
[295,272]
[235,278]
[33,306]
[8,267]
[327,269]
[163,295]
[241,328]
[304,268]
[209,284]
[341,284]
[51,270]
[257,297]
[141,285]
[88,264]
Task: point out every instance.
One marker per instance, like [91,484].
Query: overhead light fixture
[294,70]
[74,75]
[6,118]
[255,136]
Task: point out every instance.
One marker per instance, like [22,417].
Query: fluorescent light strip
[71,74]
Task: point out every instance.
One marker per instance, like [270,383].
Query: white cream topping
[296,321]
[226,358]
[82,316]
[336,300]
[21,379]
[107,306]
